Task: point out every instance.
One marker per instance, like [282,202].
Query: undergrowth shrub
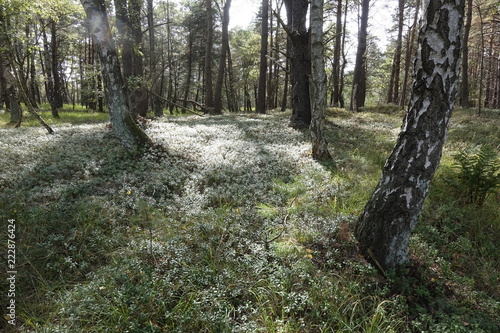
[478,173]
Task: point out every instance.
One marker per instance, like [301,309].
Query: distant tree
[300,61]
[358,94]
[383,229]
[155,79]
[128,22]
[337,99]
[464,85]
[209,95]
[122,121]
[222,59]
[317,83]
[409,53]
[53,68]
[13,81]
[393,95]
[260,105]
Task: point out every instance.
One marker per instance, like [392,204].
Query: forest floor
[229,225]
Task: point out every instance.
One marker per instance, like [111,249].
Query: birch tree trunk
[124,127]
[383,230]
[317,84]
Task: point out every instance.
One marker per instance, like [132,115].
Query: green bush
[477,174]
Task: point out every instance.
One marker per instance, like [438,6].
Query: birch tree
[383,229]
[123,124]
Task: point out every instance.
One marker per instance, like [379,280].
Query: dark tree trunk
[409,54]
[272,75]
[171,92]
[286,84]
[232,95]
[57,98]
[209,95]
[393,96]
[300,62]
[318,82]
[8,91]
[358,94]
[488,96]
[156,101]
[260,106]
[53,80]
[344,60]
[464,86]
[336,56]
[383,230]
[222,60]
[122,121]
[128,22]
[189,69]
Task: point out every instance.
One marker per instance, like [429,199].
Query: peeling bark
[383,230]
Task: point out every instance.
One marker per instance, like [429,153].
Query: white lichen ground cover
[241,154]
[227,225]
[211,203]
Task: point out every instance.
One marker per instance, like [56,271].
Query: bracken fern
[478,173]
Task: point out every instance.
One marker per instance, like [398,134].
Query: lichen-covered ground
[229,225]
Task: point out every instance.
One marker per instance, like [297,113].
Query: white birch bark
[391,214]
[122,122]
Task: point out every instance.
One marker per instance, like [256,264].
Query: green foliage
[67,115]
[196,241]
[478,173]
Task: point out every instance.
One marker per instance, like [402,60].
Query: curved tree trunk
[383,230]
[123,124]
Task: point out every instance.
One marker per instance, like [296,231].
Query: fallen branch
[177,105]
